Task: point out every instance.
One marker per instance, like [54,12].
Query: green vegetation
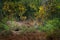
[45,12]
[3,27]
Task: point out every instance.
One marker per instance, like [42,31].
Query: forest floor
[28,36]
[25,36]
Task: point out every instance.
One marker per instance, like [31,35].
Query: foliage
[51,26]
[23,10]
[46,12]
[3,27]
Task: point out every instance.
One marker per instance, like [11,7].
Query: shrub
[3,27]
[51,26]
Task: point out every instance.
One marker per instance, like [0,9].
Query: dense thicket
[46,12]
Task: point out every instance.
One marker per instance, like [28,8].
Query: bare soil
[29,36]
[25,36]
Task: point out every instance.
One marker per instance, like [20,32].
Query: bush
[51,26]
[3,27]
